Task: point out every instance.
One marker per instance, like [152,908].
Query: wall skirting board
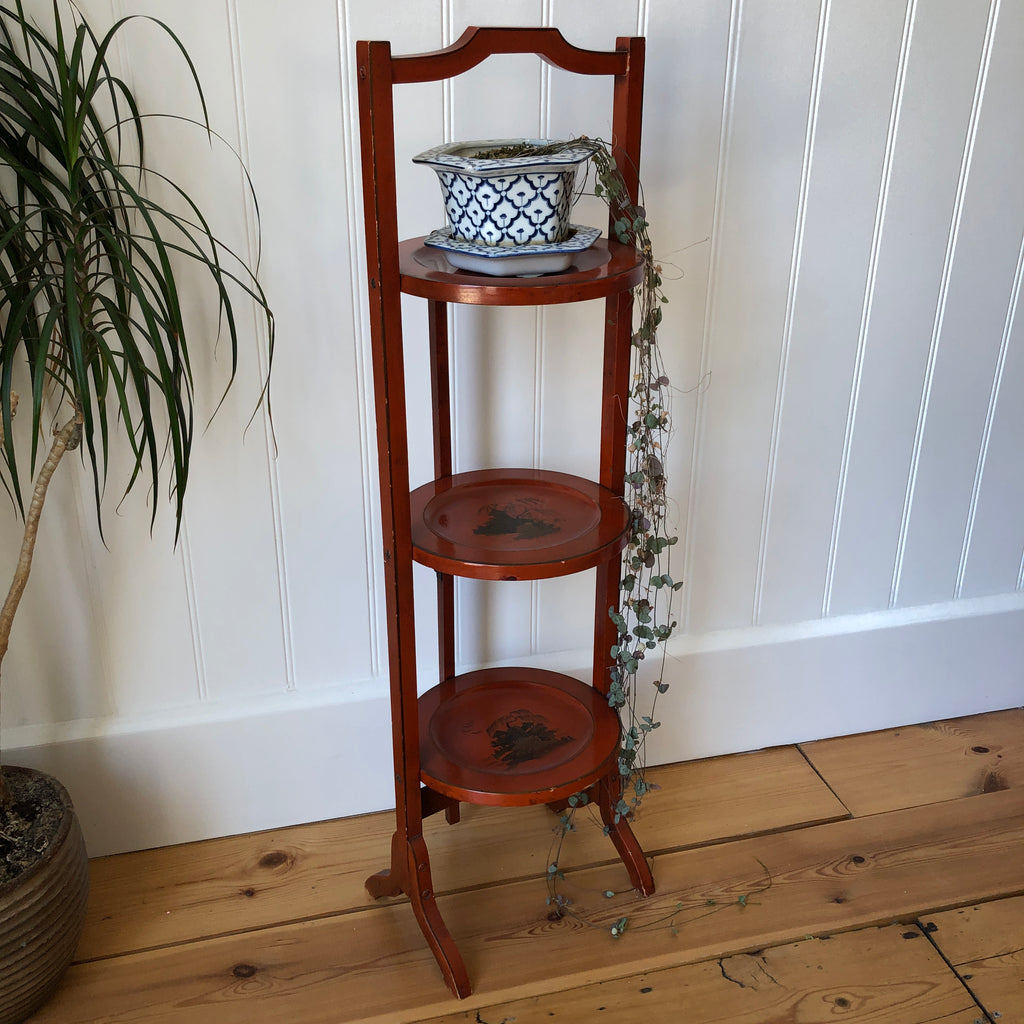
[305,758]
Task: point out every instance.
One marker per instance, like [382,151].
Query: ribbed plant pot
[42,912]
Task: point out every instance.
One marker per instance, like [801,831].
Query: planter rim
[58,840]
[458,156]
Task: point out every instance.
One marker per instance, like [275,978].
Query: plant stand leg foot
[390,881]
[625,842]
[435,931]
[382,884]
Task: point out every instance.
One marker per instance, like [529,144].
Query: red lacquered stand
[507,737]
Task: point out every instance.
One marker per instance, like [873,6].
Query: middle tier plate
[516,524]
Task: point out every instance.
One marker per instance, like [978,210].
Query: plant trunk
[65,438]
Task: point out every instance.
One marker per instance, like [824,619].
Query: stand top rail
[477,44]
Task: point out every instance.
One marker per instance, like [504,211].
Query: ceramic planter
[505,201]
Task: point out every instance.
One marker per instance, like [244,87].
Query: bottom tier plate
[515,736]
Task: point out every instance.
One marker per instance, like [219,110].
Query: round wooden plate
[515,736]
[516,524]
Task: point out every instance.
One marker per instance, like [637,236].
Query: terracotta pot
[42,912]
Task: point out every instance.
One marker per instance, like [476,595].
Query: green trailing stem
[643,619]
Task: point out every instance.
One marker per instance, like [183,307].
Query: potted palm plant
[93,332]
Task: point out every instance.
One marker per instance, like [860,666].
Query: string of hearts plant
[643,619]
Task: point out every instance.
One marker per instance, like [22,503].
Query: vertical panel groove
[538,420]
[940,307]
[447,92]
[820,43]
[252,238]
[101,630]
[187,566]
[986,434]
[447,11]
[357,289]
[869,291]
[721,182]
[540,325]
[198,653]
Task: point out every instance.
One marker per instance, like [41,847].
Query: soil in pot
[30,824]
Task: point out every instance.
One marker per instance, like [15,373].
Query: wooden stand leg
[622,836]
[410,873]
[435,931]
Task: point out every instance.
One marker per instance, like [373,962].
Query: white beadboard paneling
[981,279]
[687,51]
[795,266]
[993,549]
[940,84]
[515,78]
[420,116]
[858,71]
[495,373]
[495,622]
[228,509]
[57,666]
[141,603]
[564,613]
[297,152]
[759,199]
[496,352]
[568,441]
[238,601]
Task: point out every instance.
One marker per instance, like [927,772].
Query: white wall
[836,187]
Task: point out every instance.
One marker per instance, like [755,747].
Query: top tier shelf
[604,269]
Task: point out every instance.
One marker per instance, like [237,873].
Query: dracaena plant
[92,315]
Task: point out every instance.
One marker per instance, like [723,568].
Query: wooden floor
[875,878]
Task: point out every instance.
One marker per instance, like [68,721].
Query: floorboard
[923,764]
[371,965]
[985,944]
[889,975]
[177,894]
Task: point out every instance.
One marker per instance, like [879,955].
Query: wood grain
[373,966]
[985,943]
[888,975]
[176,894]
[923,764]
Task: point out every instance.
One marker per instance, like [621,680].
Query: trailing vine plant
[643,619]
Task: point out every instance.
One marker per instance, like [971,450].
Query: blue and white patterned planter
[508,201]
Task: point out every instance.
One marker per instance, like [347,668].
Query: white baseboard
[305,758]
